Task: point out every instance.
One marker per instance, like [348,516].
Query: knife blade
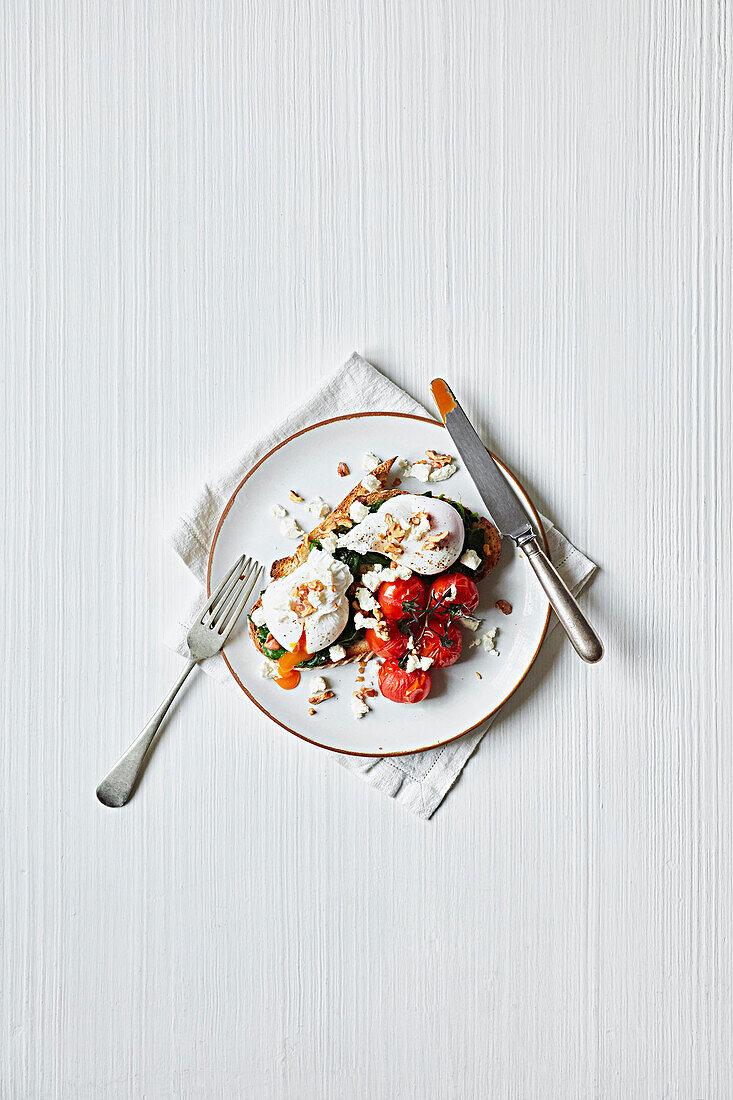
[505,510]
[510,519]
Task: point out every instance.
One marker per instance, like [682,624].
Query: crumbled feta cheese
[329,543]
[358,706]
[336,652]
[369,462]
[358,511]
[420,471]
[278,510]
[373,577]
[317,598]
[258,616]
[268,669]
[318,507]
[371,483]
[414,661]
[442,473]
[402,464]
[291,528]
[469,622]
[470,559]
[317,685]
[380,574]
[363,622]
[365,599]
[488,640]
[410,642]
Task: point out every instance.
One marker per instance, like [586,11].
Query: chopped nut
[504,606]
[301,603]
[359,679]
[343,470]
[295,496]
[433,542]
[438,460]
[397,481]
[393,538]
[311,710]
[321,697]
[479,676]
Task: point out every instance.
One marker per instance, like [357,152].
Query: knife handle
[584,638]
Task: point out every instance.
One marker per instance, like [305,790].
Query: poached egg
[421,533]
[311,598]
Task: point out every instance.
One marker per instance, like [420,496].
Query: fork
[205,638]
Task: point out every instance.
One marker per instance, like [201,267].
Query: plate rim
[250,696]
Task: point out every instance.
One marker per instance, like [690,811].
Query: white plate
[459,700]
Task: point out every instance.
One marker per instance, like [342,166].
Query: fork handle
[117,786]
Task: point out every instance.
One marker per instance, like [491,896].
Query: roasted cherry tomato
[464,599]
[442,641]
[387,639]
[400,686]
[393,595]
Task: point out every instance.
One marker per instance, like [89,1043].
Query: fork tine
[232,616]
[235,570]
[222,613]
[230,597]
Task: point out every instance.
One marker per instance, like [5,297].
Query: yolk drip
[443,397]
[288,676]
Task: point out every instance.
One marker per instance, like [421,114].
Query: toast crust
[339,517]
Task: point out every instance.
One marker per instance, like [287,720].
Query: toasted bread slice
[339,517]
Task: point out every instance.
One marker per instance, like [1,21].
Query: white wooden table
[205,206]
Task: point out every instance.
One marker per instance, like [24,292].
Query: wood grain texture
[205,205]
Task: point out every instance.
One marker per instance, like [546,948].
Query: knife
[511,520]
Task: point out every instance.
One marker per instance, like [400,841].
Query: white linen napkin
[419,781]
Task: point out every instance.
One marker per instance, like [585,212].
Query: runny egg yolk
[288,676]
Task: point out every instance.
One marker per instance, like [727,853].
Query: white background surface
[204,206]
